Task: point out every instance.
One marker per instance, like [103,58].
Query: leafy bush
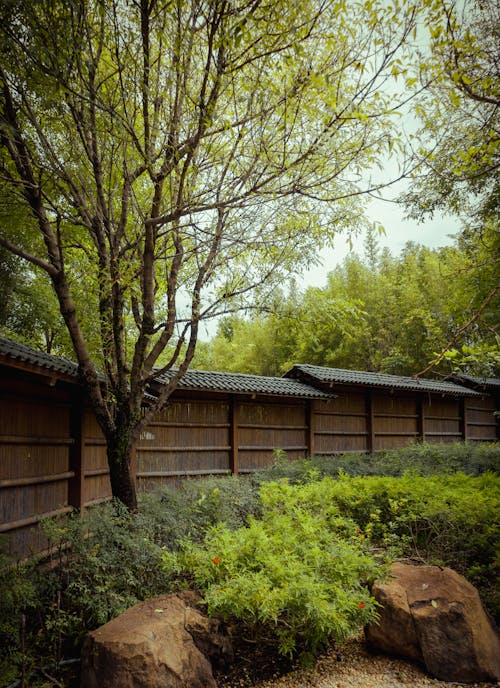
[17,599]
[298,574]
[451,520]
[171,514]
[306,533]
[472,458]
[99,565]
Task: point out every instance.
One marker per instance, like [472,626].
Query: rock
[433,615]
[165,642]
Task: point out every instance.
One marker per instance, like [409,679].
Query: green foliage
[112,556]
[483,359]
[429,512]
[458,140]
[298,574]
[17,600]
[99,566]
[290,558]
[449,520]
[472,458]
[391,315]
[172,514]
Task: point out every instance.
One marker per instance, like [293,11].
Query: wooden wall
[53,454]
[35,457]
[264,427]
[189,437]
[340,425]
[479,420]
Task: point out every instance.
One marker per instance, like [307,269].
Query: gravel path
[355,667]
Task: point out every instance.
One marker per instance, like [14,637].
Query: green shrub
[472,458]
[17,602]
[298,574]
[171,514]
[451,520]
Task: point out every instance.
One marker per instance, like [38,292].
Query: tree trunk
[123,487]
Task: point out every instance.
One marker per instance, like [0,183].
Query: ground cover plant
[240,540]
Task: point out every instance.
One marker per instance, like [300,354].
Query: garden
[284,557]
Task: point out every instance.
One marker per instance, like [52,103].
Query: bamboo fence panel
[340,425]
[35,444]
[395,421]
[188,438]
[480,422]
[264,427]
[96,484]
[443,420]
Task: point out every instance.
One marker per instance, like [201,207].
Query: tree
[390,314]
[459,140]
[177,157]
[459,146]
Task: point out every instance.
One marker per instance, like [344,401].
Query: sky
[433,232]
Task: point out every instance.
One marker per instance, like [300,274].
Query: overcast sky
[435,232]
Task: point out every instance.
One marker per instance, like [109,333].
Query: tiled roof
[476,382]
[249,384]
[20,353]
[318,374]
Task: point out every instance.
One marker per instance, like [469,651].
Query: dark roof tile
[476,382]
[242,383]
[21,353]
[323,375]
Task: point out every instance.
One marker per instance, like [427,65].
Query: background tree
[176,156]
[392,314]
[459,149]
[459,138]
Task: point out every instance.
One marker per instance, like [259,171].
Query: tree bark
[119,453]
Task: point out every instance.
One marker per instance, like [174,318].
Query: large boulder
[434,615]
[165,642]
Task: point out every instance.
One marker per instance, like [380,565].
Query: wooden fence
[53,455]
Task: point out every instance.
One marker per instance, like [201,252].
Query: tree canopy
[171,159]
[387,314]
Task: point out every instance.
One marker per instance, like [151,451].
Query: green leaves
[297,573]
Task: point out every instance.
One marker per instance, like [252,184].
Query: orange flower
[361,605]
[216,561]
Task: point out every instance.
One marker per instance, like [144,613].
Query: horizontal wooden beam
[256,426]
[36,440]
[167,449]
[443,434]
[397,415]
[348,414]
[187,472]
[396,434]
[32,520]
[92,472]
[181,424]
[253,447]
[442,418]
[36,479]
[352,433]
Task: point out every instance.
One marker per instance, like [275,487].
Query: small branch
[35,260]
[460,331]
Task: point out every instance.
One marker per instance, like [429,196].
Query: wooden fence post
[75,484]
[370,424]
[234,415]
